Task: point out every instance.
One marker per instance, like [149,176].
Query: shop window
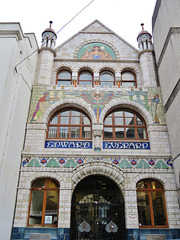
[107,78]
[44,203]
[128,79]
[124,125]
[85,78]
[69,124]
[64,78]
[151,204]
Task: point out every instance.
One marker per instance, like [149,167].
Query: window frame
[58,125]
[129,81]
[44,189]
[84,80]
[111,73]
[150,190]
[135,126]
[63,79]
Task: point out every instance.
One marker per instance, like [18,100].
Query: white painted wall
[15,92]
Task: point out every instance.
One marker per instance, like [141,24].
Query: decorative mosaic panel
[96,51]
[123,163]
[42,99]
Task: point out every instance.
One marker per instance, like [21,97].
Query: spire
[49,37]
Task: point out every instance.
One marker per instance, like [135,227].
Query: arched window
[86,78]
[128,79]
[69,124]
[44,201]
[64,78]
[125,125]
[106,78]
[151,204]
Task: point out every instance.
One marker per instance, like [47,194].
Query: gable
[109,44]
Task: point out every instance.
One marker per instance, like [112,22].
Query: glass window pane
[118,114]
[130,133]
[85,76]
[36,207]
[39,183]
[64,120]
[108,121]
[110,84]
[64,132]
[106,76]
[85,120]
[51,184]
[119,132]
[156,185]
[119,121]
[127,84]
[65,113]
[86,132]
[64,75]
[75,113]
[85,83]
[129,121]
[128,76]
[142,184]
[51,207]
[139,121]
[158,208]
[52,133]
[143,208]
[63,83]
[141,133]
[108,133]
[75,120]
[75,132]
[128,114]
[54,120]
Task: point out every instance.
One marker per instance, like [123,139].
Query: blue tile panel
[60,233]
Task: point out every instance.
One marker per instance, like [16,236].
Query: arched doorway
[97,211]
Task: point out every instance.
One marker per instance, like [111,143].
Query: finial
[50,23]
[142,24]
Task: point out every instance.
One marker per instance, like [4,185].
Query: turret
[144,40]
[147,59]
[46,56]
[49,37]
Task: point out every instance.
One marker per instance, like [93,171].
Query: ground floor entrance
[97,210]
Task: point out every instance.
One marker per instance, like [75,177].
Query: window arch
[85,78]
[69,123]
[124,124]
[151,204]
[44,200]
[64,78]
[106,78]
[128,79]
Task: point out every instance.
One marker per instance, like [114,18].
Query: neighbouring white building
[92,160]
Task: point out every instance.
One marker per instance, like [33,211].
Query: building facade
[16,84]
[96,162]
[166,41]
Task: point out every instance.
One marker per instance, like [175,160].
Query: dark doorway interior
[97,210]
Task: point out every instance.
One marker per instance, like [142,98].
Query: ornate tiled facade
[69,161]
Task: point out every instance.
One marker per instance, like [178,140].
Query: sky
[124,17]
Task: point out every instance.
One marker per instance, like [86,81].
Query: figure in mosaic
[96,53]
[153,108]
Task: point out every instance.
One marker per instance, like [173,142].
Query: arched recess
[97,211]
[100,168]
[75,103]
[129,105]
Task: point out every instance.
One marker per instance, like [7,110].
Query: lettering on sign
[69,144]
[126,145]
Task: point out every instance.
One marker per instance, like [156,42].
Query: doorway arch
[97,210]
